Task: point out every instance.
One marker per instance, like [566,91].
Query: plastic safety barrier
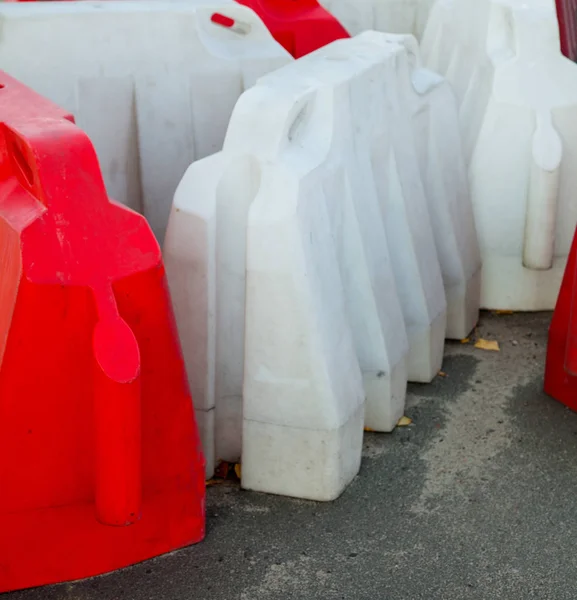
[97,430]
[567,15]
[388,16]
[561,365]
[109,68]
[378,216]
[300,26]
[518,98]
[363,185]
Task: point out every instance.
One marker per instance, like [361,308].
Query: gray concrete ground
[475,500]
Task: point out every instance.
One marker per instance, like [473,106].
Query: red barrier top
[300,26]
[97,430]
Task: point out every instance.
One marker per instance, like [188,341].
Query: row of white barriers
[322,244]
[320,259]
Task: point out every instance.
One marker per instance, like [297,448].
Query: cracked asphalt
[475,500]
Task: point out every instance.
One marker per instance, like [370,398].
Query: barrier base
[426,348]
[302,463]
[508,285]
[386,393]
[463,308]
[65,543]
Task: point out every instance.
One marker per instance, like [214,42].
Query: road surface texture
[477,499]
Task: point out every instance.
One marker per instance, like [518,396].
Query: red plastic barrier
[100,460]
[561,365]
[300,26]
[567,14]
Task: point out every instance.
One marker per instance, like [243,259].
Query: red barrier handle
[117,416]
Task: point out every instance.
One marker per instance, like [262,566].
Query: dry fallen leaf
[465,340]
[369,429]
[404,421]
[441,374]
[503,312]
[490,345]
[211,482]
[238,470]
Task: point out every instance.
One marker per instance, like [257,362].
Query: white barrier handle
[267,120]
[410,44]
[542,195]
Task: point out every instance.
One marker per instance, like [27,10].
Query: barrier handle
[542,195]
[117,416]
[289,120]
[235,18]
[410,44]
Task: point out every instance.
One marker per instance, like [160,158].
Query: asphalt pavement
[476,499]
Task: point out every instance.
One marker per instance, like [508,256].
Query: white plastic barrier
[210,208]
[369,197]
[518,116]
[389,16]
[371,299]
[434,112]
[152,83]
[333,166]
